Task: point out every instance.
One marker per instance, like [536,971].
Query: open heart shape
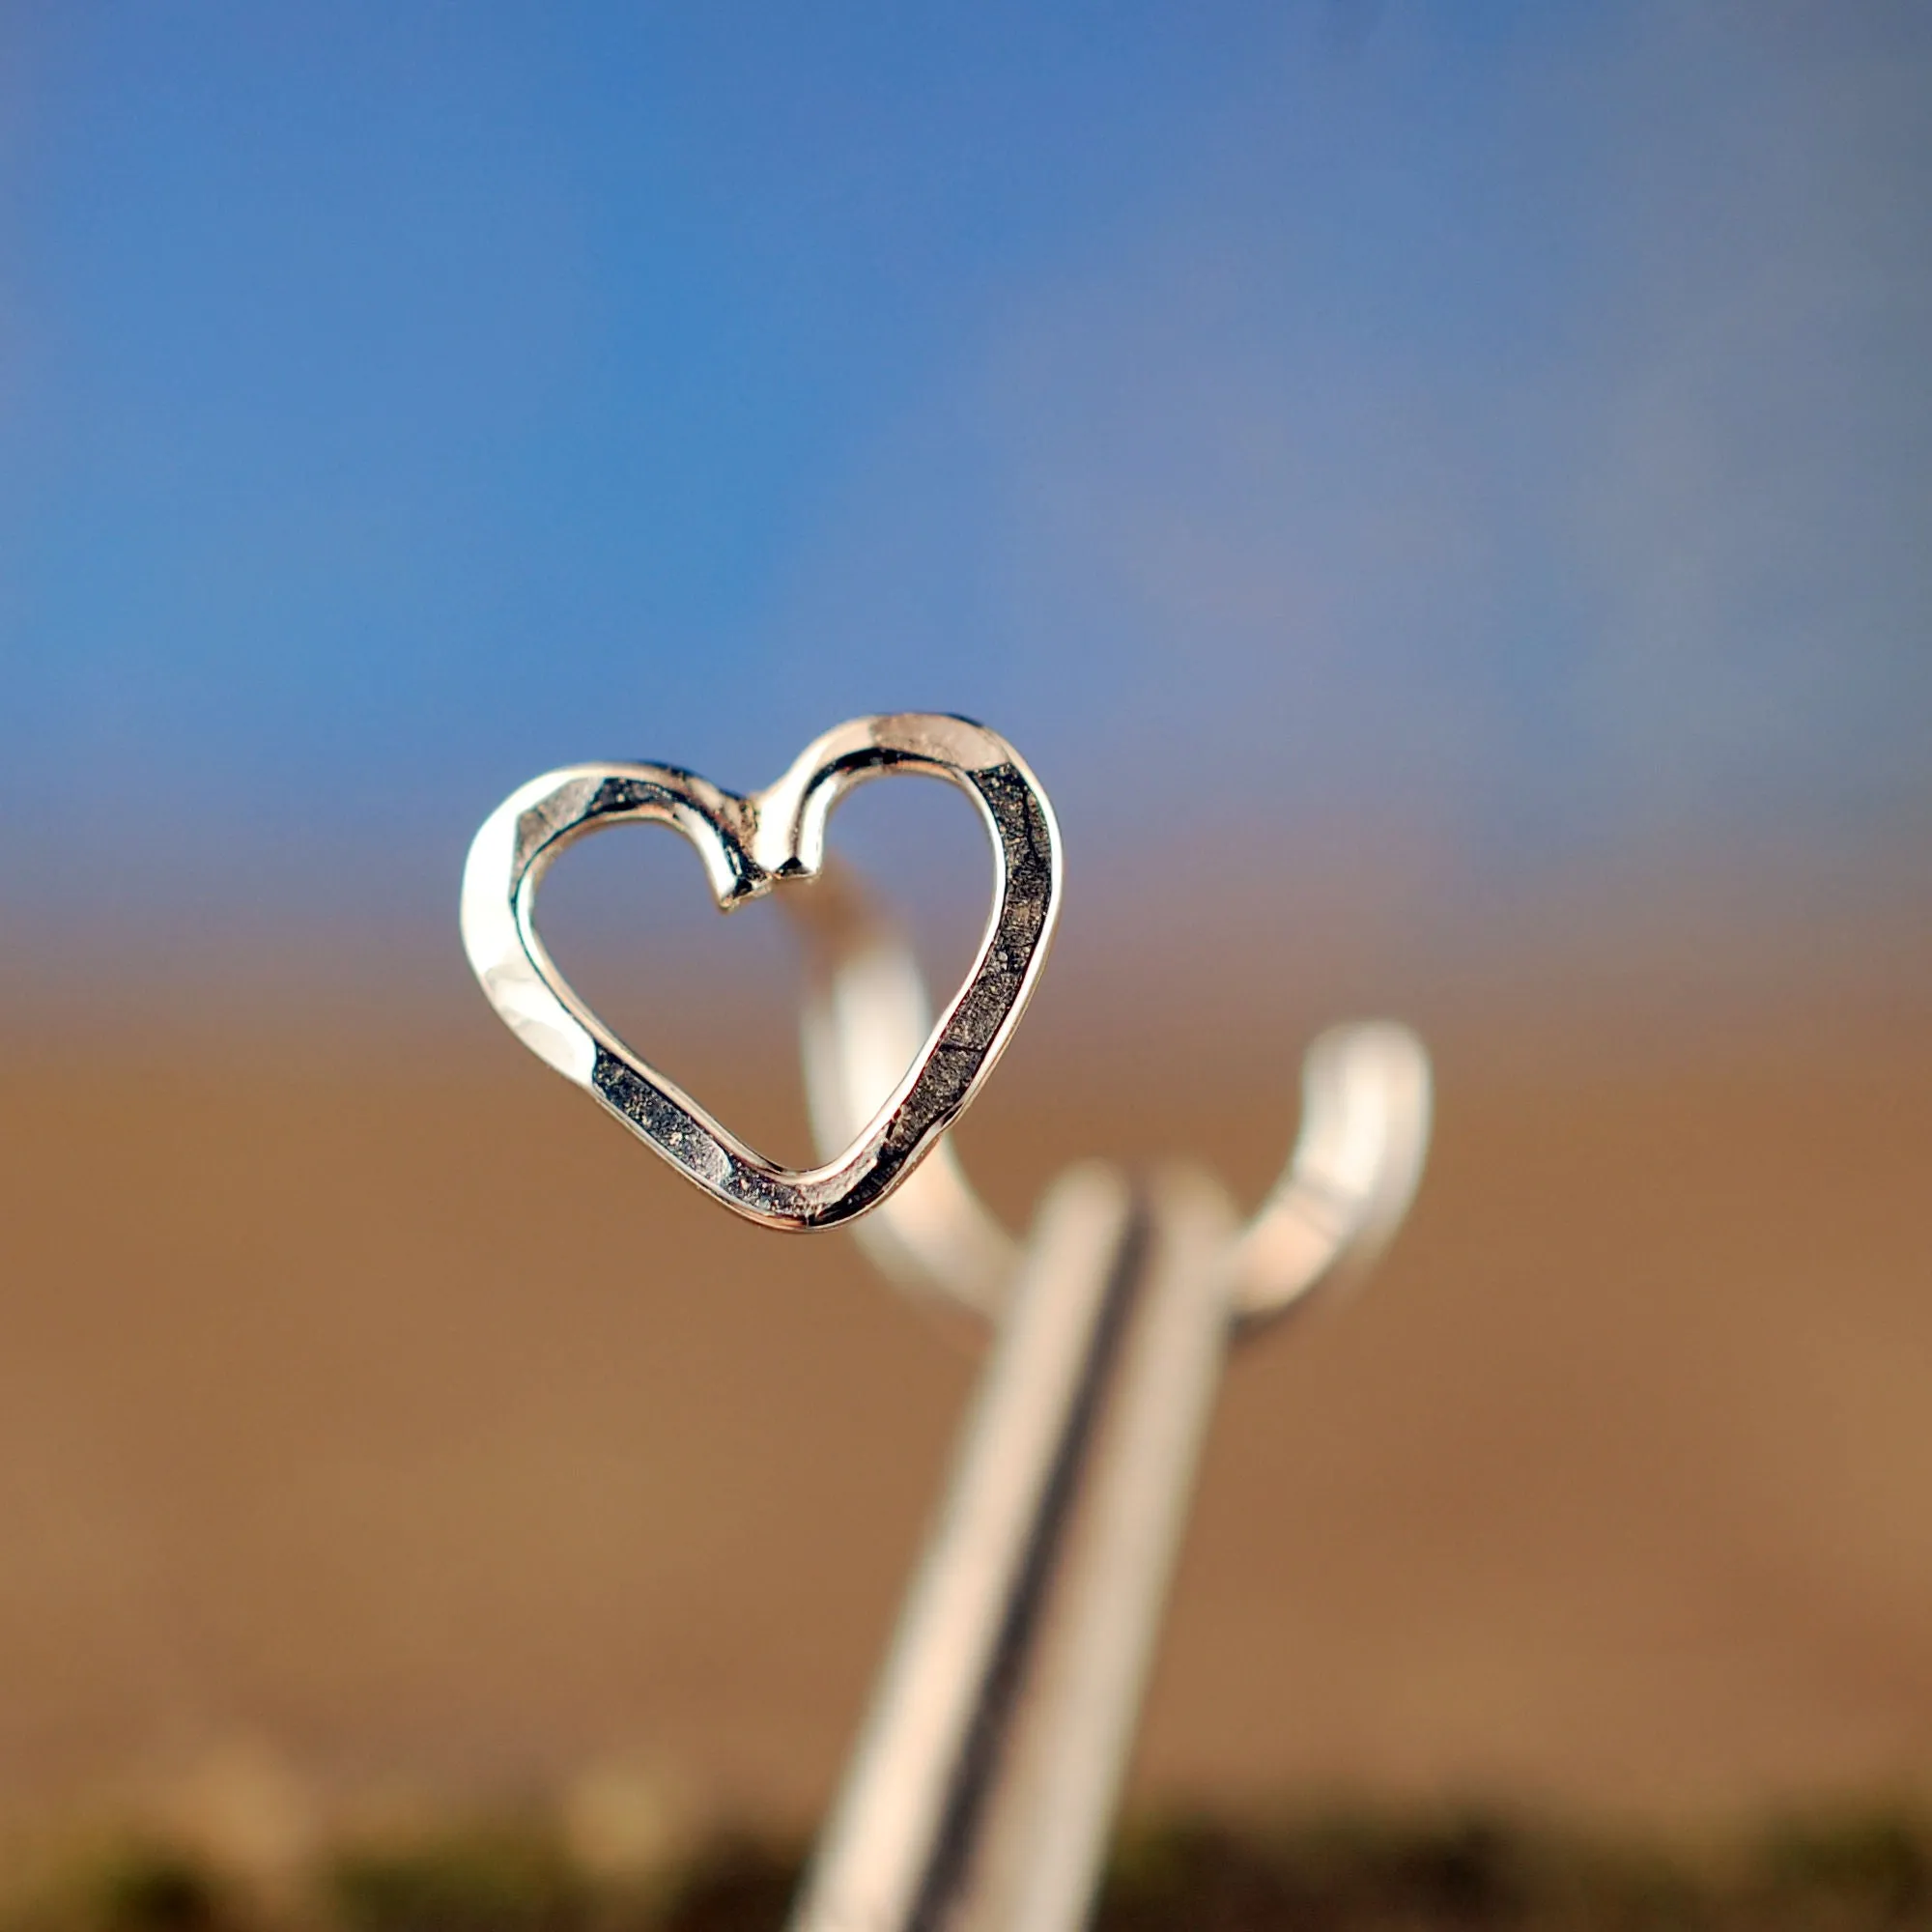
[750,845]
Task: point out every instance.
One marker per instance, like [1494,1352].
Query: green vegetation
[1855,1871]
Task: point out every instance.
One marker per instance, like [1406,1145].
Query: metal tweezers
[981,1791]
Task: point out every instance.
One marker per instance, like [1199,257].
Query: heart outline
[749,844]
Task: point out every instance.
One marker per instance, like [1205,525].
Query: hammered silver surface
[751,844]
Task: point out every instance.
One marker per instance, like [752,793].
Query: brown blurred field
[375,1404]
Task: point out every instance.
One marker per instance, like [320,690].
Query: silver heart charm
[748,846]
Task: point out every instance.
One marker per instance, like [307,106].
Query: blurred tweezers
[983,1788]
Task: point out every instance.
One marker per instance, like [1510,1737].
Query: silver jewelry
[749,845]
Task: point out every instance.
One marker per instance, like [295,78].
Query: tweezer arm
[984,1784]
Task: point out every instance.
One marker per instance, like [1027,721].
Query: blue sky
[1502,428]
